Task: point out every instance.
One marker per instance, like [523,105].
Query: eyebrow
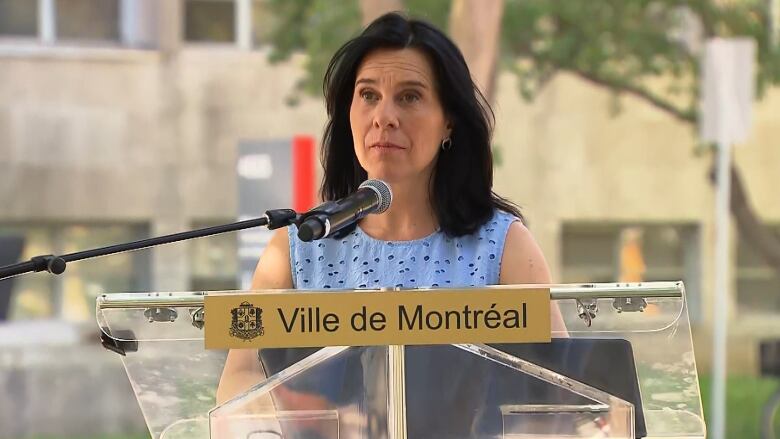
[409,83]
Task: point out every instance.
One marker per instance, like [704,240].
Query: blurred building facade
[128,128]
[131,132]
[627,198]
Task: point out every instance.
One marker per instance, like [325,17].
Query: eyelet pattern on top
[358,261]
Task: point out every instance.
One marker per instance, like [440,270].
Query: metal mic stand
[273,219]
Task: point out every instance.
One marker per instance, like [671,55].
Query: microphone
[372,196]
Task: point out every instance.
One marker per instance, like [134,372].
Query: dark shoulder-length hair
[461,190]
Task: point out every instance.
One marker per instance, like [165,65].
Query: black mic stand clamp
[315,224]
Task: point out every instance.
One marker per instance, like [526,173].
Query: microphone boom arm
[273,219]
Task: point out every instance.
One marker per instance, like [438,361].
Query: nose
[385,114]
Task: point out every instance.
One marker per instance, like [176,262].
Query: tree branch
[639,92]
[618,86]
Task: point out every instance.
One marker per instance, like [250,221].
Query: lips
[386,145]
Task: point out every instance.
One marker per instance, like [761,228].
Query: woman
[403,109]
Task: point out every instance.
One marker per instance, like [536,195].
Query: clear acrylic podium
[625,369]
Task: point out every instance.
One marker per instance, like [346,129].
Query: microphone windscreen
[382,191]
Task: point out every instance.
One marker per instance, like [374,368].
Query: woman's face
[396,116]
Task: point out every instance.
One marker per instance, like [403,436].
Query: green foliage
[626,46]
[498,155]
[745,400]
[435,12]
[319,27]
[315,27]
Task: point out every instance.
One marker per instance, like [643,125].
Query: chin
[391,171]
[385,173]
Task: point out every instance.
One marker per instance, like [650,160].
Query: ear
[448,129]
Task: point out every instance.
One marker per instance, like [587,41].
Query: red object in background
[303,172]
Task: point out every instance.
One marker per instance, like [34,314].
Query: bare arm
[523,263]
[242,367]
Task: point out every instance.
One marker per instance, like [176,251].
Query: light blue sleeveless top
[359,261]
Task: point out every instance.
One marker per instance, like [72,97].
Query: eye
[410,98]
[368,95]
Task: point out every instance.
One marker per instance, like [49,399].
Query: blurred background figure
[632,262]
[123,119]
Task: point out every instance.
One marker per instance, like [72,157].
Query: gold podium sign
[354,318]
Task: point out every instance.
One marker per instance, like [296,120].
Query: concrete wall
[101,134]
[65,391]
[566,157]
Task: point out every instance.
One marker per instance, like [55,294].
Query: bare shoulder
[522,261]
[273,270]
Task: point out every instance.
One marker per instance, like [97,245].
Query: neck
[409,217]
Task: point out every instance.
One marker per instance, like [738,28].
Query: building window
[72,295]
[588,254]
[87,20]
[758,285]
[633,253]
[51,21]
[245,23]
[210,21]
[19,18]
[214,260]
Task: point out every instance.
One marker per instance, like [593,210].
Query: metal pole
[243,23]
[727,97]
[47,21]
[720,317]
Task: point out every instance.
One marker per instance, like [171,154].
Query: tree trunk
[475,26]
[755,233]
[371,9]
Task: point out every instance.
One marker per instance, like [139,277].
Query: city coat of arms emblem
[247,322]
